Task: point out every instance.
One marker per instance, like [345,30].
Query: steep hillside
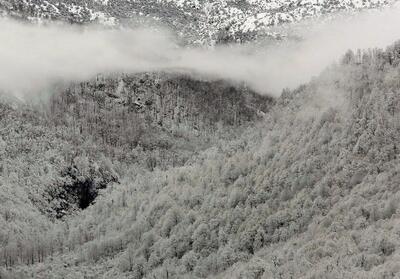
[310,192]
[58,155]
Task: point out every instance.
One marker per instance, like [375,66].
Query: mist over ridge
[36,56]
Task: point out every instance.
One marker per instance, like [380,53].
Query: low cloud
[33,57]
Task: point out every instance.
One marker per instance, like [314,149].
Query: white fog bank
[33,57]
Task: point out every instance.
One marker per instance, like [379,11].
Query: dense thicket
[159,113]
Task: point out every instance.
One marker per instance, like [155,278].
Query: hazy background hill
[196,21]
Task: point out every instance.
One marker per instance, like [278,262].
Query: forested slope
[59,153]
[309,192]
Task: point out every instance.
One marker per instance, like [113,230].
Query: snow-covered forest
[186,139]
[301,186]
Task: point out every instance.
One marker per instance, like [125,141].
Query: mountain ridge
[199,22]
